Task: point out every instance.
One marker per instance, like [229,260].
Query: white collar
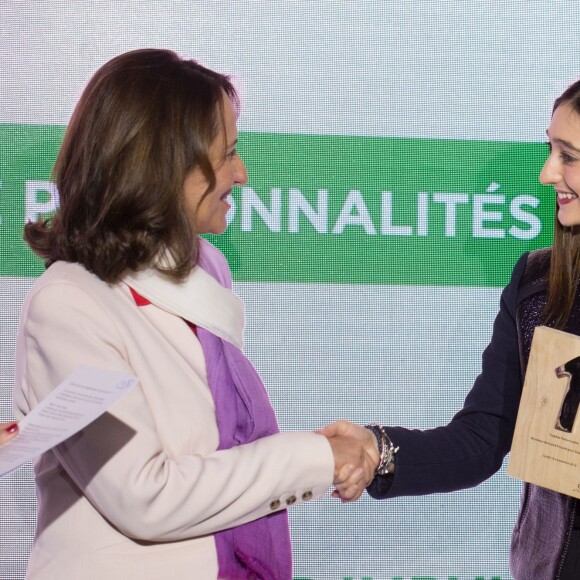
[200,298]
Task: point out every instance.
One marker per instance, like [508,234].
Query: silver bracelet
[387,450]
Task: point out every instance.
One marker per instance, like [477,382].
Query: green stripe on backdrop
[338,209]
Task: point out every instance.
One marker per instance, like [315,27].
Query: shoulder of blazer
[73,275]
[534,278]
[76,275]
[69,273]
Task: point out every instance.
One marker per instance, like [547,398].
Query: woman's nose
[551,171]
[240,172]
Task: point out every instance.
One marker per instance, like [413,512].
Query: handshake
[356,458]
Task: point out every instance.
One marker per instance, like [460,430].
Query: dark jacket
[473,445]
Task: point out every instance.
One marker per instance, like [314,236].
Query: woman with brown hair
[543,290]
[187,476]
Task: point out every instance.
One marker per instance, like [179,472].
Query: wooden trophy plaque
[546,444]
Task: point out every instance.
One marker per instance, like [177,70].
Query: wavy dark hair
[145,119]
[565,259]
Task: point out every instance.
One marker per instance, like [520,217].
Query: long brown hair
[145,119]
[565,258]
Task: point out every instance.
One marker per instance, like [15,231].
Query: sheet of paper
[84,395]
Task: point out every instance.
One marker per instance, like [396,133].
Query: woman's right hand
[8,431]
[356,458]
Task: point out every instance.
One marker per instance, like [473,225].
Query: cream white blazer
[140,492]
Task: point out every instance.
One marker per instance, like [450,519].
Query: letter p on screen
[41,197]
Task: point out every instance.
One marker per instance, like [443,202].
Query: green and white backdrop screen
[393,150]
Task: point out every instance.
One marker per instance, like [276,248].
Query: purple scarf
[261,549]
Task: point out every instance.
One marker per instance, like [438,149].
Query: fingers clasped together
[356,458]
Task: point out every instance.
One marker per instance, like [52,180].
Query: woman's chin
[568,221]
[217,229]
